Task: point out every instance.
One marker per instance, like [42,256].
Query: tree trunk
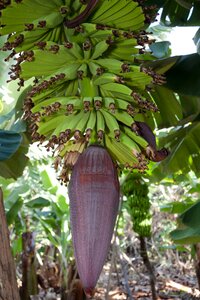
[197,262]
[8,282]
[29,276]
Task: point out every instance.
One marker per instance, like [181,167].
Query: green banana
[109,103]
[86,81]
[87,50]
[47,93]
[111,123]
[89,28]
[74,49]
[122,104]
[126,43]
[91,125]
[100,125]
[106,78]
[29,12]
[69,123]
[75,101]
[106,8]
[121,151]
[129,143]
[95,69]
[110,64]
[71,88]
[88,103]
[138,139]
[99,49]
[45,128]
[43,66]
[123,9]
[101,35]
[137,79]
[50,21]
[109,10]
[82,71]
[91,121]
[116,88]
[123,117]
[81,125]
[88,89]
[112,12]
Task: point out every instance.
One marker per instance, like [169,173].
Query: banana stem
[145,257]
[83,16]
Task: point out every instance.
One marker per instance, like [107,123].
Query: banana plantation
[99,150]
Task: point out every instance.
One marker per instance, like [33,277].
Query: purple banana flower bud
[94,201]
[152,153]
[145,131]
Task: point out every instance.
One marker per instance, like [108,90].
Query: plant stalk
[146,261]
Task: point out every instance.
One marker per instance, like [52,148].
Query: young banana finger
[116,88]
[81,125]
[123,117]
[100,125]
[110,64]
[107,78]
[99,49]
[111,123]
[135,149]
[109,103]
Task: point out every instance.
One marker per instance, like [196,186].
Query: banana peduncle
[83,16]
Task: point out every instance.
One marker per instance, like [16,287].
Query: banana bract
[88,83]
[94,201]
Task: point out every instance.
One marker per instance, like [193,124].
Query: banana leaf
[13,167]
[9,143]
[188,230]
[184,145]
[178,13]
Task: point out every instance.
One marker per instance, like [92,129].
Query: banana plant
[89,88]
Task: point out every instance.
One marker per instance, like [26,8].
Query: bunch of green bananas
[88,87]
[138,204]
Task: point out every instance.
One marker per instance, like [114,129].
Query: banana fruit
[88,88]
[138,204]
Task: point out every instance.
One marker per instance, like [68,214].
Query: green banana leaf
[184,145]
[38,202]
[184,76]
[190,217]
[188,230]
[13,211]
[9,143]
[187,235]
[15,141]
[170,109]
[176,207]
[179,12]
[14,166]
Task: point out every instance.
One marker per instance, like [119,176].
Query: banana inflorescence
[88,86]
